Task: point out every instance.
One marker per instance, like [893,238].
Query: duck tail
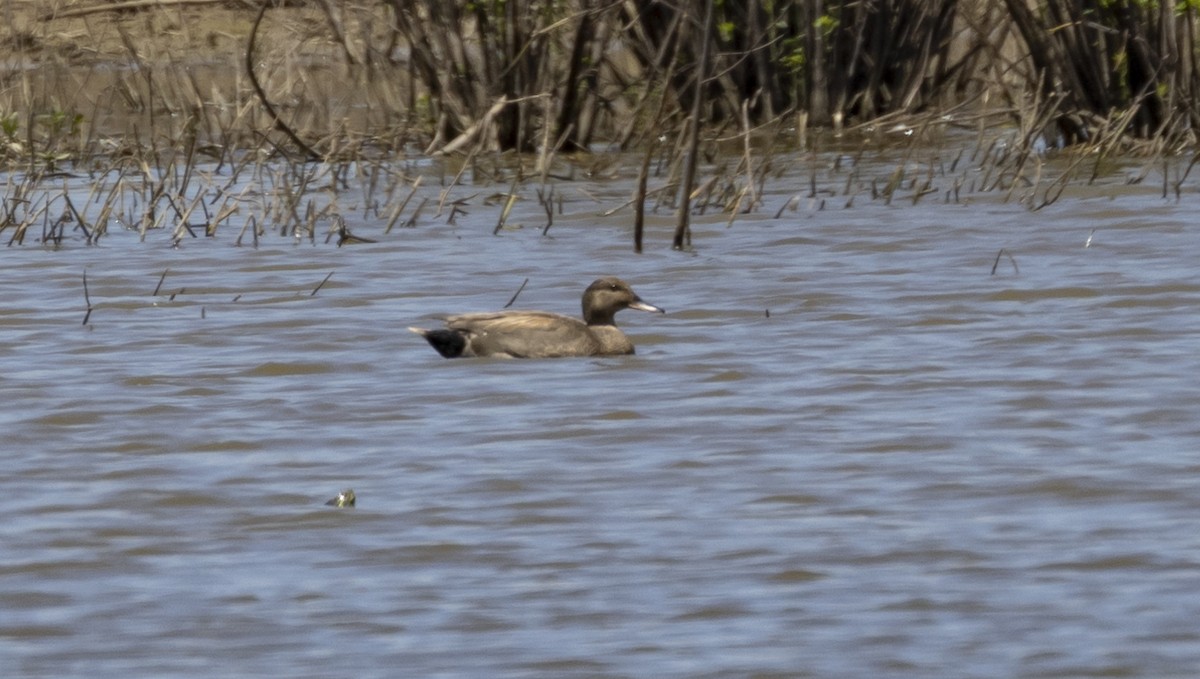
[449,343]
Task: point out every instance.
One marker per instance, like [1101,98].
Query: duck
[543,334]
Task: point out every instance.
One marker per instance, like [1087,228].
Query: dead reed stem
[509,200]
[87,298]
[683,211]
[160,282]
[1005,253]
[321,284]
[512,300]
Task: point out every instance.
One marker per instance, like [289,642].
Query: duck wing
[524,334]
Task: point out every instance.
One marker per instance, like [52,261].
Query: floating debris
[344,499]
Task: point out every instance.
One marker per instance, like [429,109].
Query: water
[848,450]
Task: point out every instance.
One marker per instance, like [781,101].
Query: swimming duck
[542,334]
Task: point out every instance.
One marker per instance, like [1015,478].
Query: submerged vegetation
[185,113]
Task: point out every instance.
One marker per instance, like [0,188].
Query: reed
[87,299]
[512,300]
[510,199]
[321,284]
[1005,253]
[161,279]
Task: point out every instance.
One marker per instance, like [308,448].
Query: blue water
[848,450]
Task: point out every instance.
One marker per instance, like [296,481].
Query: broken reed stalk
[639,199]
[737,207]
[1179,183]
[160,282]
[467,162]
[546,198]
[1003,252]
[400,208]
[747,158]
[652,144]
[412,221]
[508,203]
[456,208]
[79,222]
[250,223]
[790,204]
[321,285]
[513,299]
[87,299]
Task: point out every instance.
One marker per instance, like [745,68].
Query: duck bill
[642,306]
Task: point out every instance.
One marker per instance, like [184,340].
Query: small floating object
[343,499]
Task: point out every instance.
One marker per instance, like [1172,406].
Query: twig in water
[87,299]
[1186,172]
[412,221]
[745,120]
[737,206]
[544,160]
[639,199]
[1000,254]
[547,201]
[791,204]
[894,182]
[160,282]
[321,285]
[515,294]
[251,223]
[79,222]
[456,208]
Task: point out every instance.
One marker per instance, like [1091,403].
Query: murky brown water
[910,468]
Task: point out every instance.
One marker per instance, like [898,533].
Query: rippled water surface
[848,450]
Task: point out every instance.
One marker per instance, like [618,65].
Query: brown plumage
[541,334]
